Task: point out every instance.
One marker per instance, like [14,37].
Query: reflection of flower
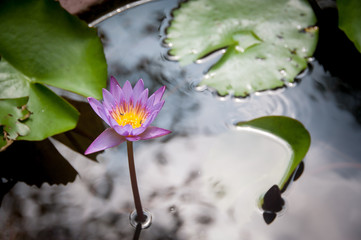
[128,112]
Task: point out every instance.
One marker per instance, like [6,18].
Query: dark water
[203,181]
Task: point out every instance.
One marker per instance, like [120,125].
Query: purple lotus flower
[129,113]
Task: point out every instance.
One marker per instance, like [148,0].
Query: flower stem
[133,180]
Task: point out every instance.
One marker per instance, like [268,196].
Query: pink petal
[98,108]
[158,94]
[153,132]
[95,104]
[113,85]
[107,139]
[128,91]
[137,131]
[112,122]
[150,101]
[121,96]
[123,131]
[108,100]
[157,107]
[138,88]
[133,138]
[115,89]
[143,97]
[150,118]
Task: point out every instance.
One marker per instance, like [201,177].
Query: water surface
[203,181]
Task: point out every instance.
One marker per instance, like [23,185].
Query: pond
[204,180]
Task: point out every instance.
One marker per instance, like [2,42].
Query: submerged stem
[133,180]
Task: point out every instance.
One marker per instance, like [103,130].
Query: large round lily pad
[267,42]
[49,46]
[42,44]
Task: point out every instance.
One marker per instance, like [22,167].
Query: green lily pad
[13,84]
[290,130]
[37,48]
[349,20]
[11,122]
[49,46]
[267,42]
[51,114]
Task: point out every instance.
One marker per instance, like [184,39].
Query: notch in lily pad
[11,123]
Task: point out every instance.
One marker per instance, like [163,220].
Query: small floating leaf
[290,130]
[266,41]
[350,20]
[253,161]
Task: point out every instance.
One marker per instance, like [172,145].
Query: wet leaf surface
[266,42]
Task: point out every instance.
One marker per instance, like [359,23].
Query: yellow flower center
[128,114]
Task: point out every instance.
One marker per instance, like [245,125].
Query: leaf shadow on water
[33,163]
[38,162]
[335,51]
[88,128]
[339,56]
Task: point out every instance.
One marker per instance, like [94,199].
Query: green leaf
[46,106]
[13,84]
[49,46]
[13,111]
[51,114]
[292,131]
[267,42]
[349,20]
[39,49]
